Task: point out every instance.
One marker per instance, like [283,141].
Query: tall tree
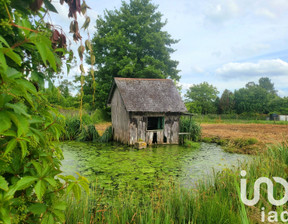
[130,42]
[226,102]
[203,95]
[267,84]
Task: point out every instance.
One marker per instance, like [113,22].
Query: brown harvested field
[264,133]
[102,127]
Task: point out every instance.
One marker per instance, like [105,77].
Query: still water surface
[115,166]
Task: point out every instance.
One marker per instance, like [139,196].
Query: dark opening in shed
[155,123]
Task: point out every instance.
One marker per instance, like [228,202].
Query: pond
[113,166]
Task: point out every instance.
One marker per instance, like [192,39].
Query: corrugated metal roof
[148,95]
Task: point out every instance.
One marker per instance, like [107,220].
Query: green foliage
[29,161]
[99,116]
[203,96]
[191,144]
[226,102]
[72,128]
[88,133]
[130,42]
[187,125]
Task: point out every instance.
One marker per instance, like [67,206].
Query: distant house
[145,109]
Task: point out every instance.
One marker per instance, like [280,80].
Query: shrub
[107,135]
[187,125]
[99,116]
[88,133]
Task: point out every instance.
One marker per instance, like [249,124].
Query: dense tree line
[258,97]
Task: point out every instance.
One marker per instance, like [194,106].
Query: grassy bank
[209,203]
[238,145]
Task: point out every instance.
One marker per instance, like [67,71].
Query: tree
[254,97]
[130,42]
[226,102]
[31,51]
[204,96]
[267,84]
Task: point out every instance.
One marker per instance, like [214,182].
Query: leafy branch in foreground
[31,52]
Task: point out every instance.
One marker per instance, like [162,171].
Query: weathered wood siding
[120,119]
[138,129]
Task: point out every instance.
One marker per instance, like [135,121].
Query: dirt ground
[264,133]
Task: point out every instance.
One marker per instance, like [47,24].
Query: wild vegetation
[32,51]
[209,203]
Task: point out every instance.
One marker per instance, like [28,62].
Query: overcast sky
[226,43]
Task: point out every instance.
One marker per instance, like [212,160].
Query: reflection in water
[116,166]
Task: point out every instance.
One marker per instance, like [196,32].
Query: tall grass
[190,126]
[217,202]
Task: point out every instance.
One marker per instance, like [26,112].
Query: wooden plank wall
[120,119]
[138,129]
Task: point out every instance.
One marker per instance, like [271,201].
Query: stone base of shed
[140,145]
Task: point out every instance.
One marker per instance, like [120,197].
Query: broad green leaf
[42,50]
[85,186]
[21,123]
[51,181]
[10,133]
[51,58]
[3,63]
[49,6]
[18,108]
[70,187]
[5,121]
[25,182]
[40,189]
[60,206]
[38,77]
[25,23]
[10,146]
[13,73]
[70,177]
[4,41]
[3,184]
[4,214]
[5,98]
[12,55]
[28,86]
[48,219]
[37,167]
[38,208]
[23,146]
[76,191]
[60,215]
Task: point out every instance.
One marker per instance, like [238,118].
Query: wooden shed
[145,109]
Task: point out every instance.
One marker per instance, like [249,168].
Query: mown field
[264,133]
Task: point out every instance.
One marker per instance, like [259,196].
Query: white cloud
[266,13]
[274,67]
[221,11]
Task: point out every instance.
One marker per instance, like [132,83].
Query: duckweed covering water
[118,167]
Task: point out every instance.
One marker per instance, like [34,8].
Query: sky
[226,43]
